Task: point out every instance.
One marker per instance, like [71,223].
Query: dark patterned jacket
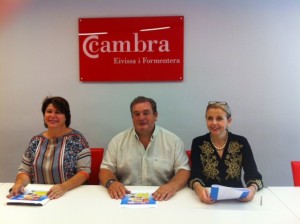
[208,168]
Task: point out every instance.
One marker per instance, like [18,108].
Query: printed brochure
[138,200]
[30,197]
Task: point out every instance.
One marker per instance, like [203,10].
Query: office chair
[96,160]
[296,172]
[188,152]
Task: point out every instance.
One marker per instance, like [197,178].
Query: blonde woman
[219,156]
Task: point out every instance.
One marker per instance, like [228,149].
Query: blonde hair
[219,105]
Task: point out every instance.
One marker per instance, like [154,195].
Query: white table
[290,196]
[92,204]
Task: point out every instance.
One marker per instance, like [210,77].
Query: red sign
[131,49]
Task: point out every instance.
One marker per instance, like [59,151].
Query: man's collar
[152,136]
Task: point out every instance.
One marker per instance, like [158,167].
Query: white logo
[92,46]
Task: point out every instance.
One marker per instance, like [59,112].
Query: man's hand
[117,190]
[164,192]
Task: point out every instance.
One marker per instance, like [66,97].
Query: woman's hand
[56,191]
[17,189]
[202,193]
[251,194]
[22,181]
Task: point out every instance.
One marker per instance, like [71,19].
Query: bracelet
[198,181]
[109,182]
[255,187]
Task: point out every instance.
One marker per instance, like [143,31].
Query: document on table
[30,197]
[138,200]
[219,192]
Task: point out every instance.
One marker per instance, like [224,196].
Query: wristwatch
[109,182]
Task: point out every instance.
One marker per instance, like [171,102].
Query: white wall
[245,52]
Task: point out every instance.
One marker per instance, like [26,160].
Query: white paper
[219,192]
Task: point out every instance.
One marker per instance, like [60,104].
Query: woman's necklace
[223,146]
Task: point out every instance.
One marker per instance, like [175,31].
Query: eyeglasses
[217,102]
